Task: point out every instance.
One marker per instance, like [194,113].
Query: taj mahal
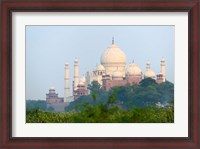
[112,71]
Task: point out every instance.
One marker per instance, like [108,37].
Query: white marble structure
[112,66]
[66,82]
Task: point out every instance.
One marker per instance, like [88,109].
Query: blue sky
[49,47]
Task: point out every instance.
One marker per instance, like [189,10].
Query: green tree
[34,104]
[95,87]
[147,81]
[113,95]
[111,99]
[94,96]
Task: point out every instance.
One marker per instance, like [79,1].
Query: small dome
[83,79]
[75,60]
[149,74]
[52,88]
[162,59]
[113,55]
[100,68]
[81,83]
[133,69]
[148,62]
[159,73]
[67,63]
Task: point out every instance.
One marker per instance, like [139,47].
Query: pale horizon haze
[49,47]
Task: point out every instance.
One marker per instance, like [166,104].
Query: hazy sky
[49,47]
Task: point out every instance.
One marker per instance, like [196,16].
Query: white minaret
[75,73]
[162,68]
[67,84]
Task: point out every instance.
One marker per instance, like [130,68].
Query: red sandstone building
[80,91]
[120,81]
[52,97]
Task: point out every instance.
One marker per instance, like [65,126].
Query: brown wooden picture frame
[9,6]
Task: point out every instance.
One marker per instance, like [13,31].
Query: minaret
[67,84]
[75,74]
[162,68]
[148,66]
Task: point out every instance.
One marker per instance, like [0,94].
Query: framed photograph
[100,74]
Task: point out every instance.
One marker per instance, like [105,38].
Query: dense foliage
[104,114]
[38,104]
[147,93]
[147,102]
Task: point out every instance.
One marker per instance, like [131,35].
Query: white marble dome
[133,69]
[82,81]
[113,54]
[113,58]
[149,74]
[100,68]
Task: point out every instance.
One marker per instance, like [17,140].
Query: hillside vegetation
[147,93]
[147,102]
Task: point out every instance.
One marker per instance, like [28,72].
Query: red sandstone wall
[107,84]
[54,100]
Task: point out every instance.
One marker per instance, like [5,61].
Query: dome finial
[113,40]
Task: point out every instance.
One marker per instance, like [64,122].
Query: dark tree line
[147,93]
[38,104]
